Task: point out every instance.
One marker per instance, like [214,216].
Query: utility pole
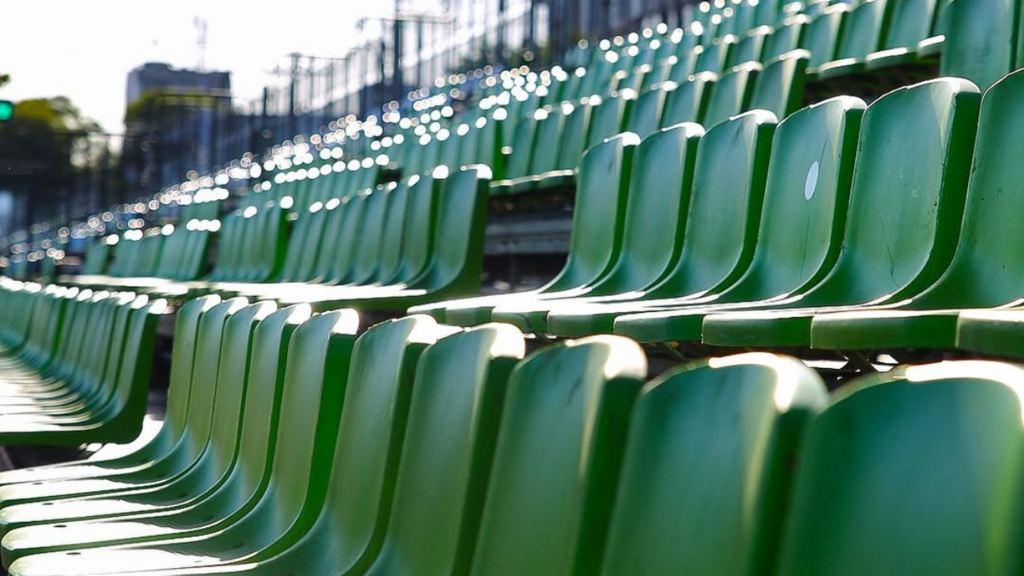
[291,94]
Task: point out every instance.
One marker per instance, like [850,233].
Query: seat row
[291,446]
[384,248]
[74,364]
[839,206]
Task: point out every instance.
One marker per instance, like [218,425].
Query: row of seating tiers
[722,205]
[292,446]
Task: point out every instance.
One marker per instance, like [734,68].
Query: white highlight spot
[811,184]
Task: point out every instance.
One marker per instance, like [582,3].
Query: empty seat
[822,36]
[81,372]
[688,100]
[901,231]
[916,471]
[684,501]
[732,93]
[592,251]
[556,463]
[780,86]
[786,38]
[986,269]
[805,207]
[980,43]
[709,248]
[866,27]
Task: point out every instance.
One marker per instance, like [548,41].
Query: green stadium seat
[82,373]
[454,259]
[454,410]
[798,239]
[750,46]
[822,36]
[913,22]
[913,472]
[188,446]
[732,93]
[866,28]
[599,208]
[693,253]
[980,40]
[685,502]
[560,444]
[213,440]
[653,227]
[229,498]
[645,118]
[186,325]
[713,58]
[901,231]
[518,165]
[688,100]
[359,419]
[786,38]
[985,270]
[780,86]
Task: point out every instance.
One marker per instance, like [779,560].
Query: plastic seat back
[780,86]
[264,391]
[549,134]
[333,226]
[183,353]
[937,447]
[272,242]
[574,136]
[732,93]
[305,268]
[234,382]
[688,101]
[805,202]
[987,268]
[389,258]
[457,256]
[598,213]
[750,48]
[786,38]
[823,33]
[866,27]
[370,237]
[311,405]
[418,228]
[522,145]
[557,459]
[646,116]
[725,206]
[713,58]
[608,117]
[912,22]
[656,209]
[706,470]
[907,200]
[348,459]
[121,418]
[352,208]
[981,40]
[448,450]
[205,369]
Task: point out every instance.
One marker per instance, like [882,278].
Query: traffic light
[6,110]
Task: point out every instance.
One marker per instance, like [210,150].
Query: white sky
[85,49]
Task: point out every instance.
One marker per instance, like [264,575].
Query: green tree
[42,150]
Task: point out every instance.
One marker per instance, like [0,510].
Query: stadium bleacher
[783,340]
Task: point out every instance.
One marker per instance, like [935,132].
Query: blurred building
[157,77]
[172,118]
